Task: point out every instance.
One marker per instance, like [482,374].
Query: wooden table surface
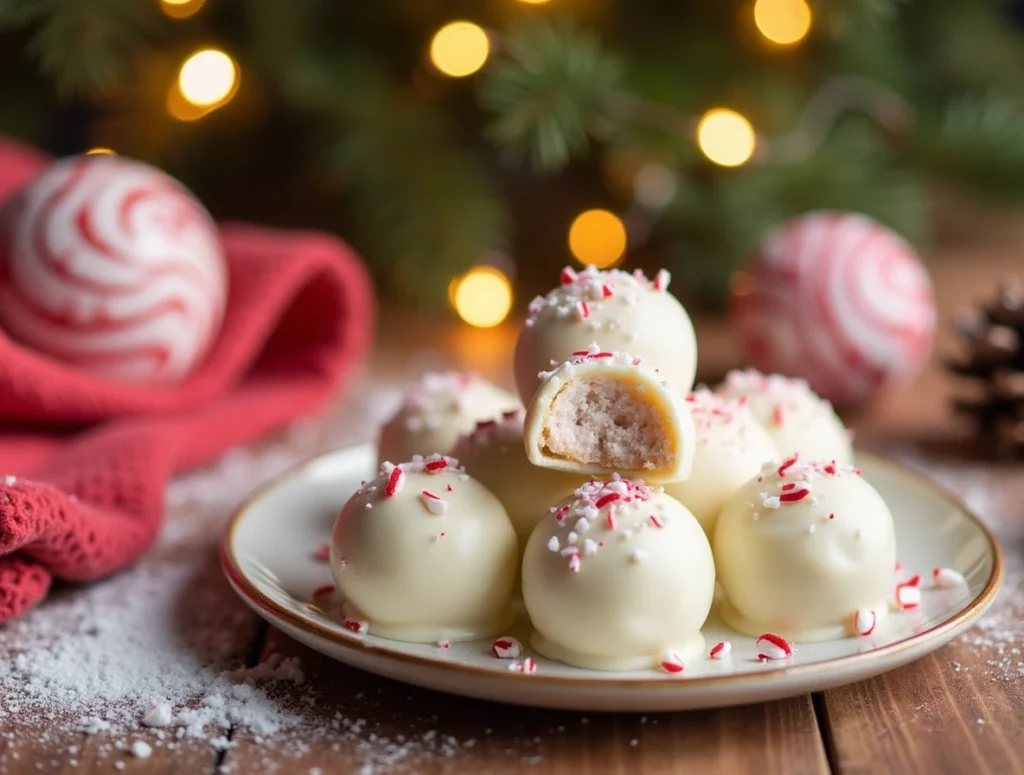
[958,710]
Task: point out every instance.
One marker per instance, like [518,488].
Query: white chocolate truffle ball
[425,553]
[604,412]
[625,312]
[798,420]
[802,548]
[731,448]
[438,409]
[616,577]
[494,455]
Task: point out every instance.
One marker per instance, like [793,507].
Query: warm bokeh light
[597,237]
[726,137]
[482,297]
[99,150]
[459,49]
[181,9]
[535,2]
[208,77]
[783,21]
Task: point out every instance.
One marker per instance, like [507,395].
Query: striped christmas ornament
[112,266]
[838,299]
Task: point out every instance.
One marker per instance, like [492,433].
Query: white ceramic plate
[269,550]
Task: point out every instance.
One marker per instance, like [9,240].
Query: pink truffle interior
[607,422]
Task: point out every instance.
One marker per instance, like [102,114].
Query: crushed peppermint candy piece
[720,650]
[395,482]
[574,563]
[435,465]
[444,644]
[342,563]
[568,276]
[324,592]
[506,647]
[947,578]
[864,621]
[322,553]
[662,279]
[158,715]
[525,666]
[358,626]
[908,596]
[553,544]
[672,663]
[772,646]
[582,310]
[434,504]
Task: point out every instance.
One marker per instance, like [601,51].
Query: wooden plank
[386,726]
[961,709]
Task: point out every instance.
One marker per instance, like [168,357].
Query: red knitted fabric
[86,460]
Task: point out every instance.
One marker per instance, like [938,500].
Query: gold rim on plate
[353,642]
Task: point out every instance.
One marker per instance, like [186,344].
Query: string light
[597,237]
[482,297]
[784,22]
[181,9]
[99,150]
[726,137]
[459,49]
[208,77]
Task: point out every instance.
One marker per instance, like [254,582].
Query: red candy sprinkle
[777,414]
[604,500]
[610,521]
[774,646]
[671,663]
[325,591]
[864,621]
[787,464]
[356,625]
[506,647]
[568,276]
[831,515]
[794,495]
[433,466]
[395,482]
[656,522]
[720,650]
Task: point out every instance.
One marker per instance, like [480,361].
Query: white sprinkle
[369,505]
[141,750]
[9,480]
[639,555]
[570,551]
[573,538]
[158,715]
[772,502]
[589,547]
[582,525]
[811,528]
[553,544]
[947,578]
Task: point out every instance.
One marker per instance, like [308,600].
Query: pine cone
[994,338]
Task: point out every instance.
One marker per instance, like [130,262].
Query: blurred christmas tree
[705,123]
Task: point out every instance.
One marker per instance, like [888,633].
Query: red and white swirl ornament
[111,265]
[838,299]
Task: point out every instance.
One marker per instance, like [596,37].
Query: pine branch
[976,142]
[549,90]
[424,207]
[87,46]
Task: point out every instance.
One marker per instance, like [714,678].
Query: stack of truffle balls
[615,500]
